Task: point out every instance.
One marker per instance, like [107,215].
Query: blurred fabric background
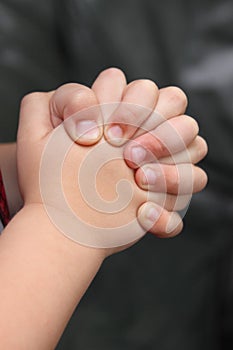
[161,294]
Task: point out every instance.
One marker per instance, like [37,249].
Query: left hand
[166,142]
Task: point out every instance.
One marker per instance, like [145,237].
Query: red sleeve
[4,211]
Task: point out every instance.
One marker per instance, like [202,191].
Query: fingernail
[152,214]
[87,129]
[149,215]
[149,177]
[138,154]
[115,134]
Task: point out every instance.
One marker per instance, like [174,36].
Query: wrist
[43,271]
[36,233]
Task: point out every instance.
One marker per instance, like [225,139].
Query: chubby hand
[165,146]
[158,142]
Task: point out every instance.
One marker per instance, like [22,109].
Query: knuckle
[177,95]
[199,179]
[192,122]
[71,89]
[32,96]
[67,86]
[113,72]
[78,100]
[205,180]
[202,178]
[202,148]
[145,84]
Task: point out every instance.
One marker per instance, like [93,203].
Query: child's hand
[36,128]
[174,142]
[76,184]
[43,274]
[165,147]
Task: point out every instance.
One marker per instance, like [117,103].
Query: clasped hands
[160,146]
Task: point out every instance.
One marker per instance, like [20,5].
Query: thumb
[76,105]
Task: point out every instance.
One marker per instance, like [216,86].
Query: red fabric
[4,211]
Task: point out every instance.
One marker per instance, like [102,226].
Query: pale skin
[43,274]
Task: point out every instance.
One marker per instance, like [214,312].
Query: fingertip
[206,179]
[194,124]
[147,86]
[148,215]
[109,85]
[175,97]
[172,102]
[137,176]
[174,225]
[114,73]
[114,134]
[158,221]
[201,179]
[84,132]
[135,154]
[203,147]
[35,104]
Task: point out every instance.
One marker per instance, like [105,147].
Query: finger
[138,101]
[195,152]
[109,86]
[159,221]
[35,120]
[171,102]
[173,179]
[169,202]
[170,137]
[77,105]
